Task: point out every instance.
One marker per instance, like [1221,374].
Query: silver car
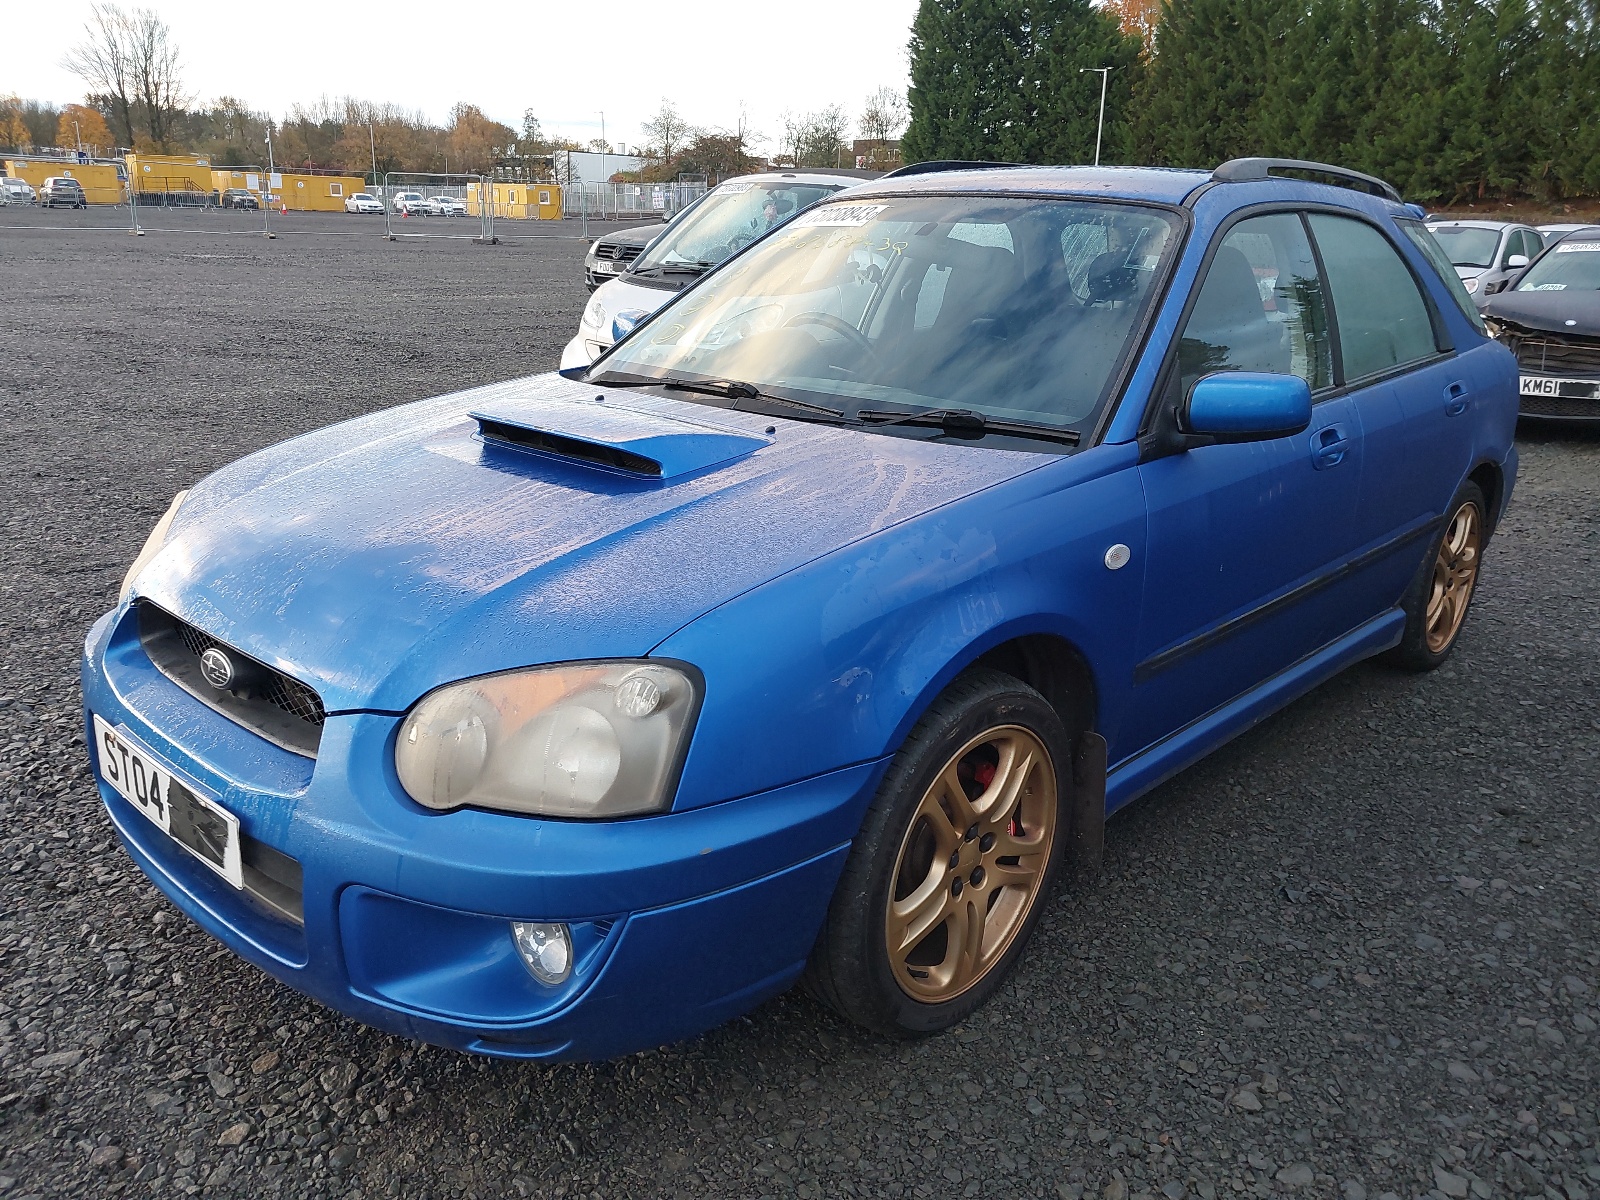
[17,191]
[1487,254]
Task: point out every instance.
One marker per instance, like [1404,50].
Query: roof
[1165,184]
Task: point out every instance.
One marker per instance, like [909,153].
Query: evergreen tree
[1204,92]
[1000,80]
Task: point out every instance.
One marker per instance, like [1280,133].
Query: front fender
[832,664]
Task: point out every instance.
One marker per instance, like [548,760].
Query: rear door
[1241,537]
[1413,396]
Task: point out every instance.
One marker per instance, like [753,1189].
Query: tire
[957,930]
[1437,603]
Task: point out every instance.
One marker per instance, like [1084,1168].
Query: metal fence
[624,201]
[418,204]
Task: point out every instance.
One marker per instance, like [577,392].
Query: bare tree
[104,60]
[155,61]
[884,115]
[666,131]
[822,142]
[132,61]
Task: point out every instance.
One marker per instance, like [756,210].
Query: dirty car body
[795,588]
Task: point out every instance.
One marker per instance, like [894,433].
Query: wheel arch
[1051,662]
[1056,669]
[1491,482]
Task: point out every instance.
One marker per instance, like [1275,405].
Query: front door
[1242,536]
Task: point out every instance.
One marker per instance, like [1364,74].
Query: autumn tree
[13,130]
[80,125]
[1137,18]
[475,140]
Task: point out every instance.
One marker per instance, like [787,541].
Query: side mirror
[1247,406]
[1516,262]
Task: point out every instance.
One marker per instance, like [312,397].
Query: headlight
[594,313]
[152,547]
[601,739]
[1471,285]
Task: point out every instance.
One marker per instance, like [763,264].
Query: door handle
[1328,447]
[1455,399]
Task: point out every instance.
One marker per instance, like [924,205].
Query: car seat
[1229,327]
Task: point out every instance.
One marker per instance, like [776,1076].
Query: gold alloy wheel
[971,863]
[1455,572]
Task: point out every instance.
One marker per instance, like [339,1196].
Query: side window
[1531,245]
[1261,307]
[1383,320]
[1440,262]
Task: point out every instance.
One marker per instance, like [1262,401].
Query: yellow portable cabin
[169,172]
[100,181]
[301,191]
[538,201]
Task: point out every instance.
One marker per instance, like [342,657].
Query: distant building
[877,154]
[582,166]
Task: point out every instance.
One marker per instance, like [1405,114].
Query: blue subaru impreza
[812,632]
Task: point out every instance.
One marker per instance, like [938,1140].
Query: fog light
[546,949]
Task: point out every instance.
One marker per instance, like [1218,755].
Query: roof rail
[945,164]
[1253,170]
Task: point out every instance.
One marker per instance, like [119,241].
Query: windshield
[1466,246]
[1573,266]
[1011,308]
[728,220]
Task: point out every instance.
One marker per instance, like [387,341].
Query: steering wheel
[838,324]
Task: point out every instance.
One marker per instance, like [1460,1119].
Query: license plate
[195,821]
[606,268]
[1545,385]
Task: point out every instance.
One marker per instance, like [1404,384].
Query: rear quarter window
[1440,262]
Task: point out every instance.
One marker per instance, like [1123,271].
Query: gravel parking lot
[1354,952]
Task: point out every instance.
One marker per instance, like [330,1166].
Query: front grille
[617,251]
[1560,406]
[1557,355]
[281,709]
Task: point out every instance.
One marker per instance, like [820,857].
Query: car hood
[379,558]
[1567,313]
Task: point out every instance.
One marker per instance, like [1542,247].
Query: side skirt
[1135,776]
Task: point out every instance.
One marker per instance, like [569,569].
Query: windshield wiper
[727,389]
[965,424]
[676,268]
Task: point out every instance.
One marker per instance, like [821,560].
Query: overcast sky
[708,56]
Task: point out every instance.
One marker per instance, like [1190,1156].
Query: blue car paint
[828,583]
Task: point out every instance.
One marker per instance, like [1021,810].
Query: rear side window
[1383,320]
[1261,307]
[1440,262]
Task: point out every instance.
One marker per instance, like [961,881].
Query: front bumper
[680,921]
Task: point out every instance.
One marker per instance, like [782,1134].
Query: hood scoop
[641,445]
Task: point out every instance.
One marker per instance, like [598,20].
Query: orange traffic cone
[285,209]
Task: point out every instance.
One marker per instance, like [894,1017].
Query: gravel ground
[1353,953]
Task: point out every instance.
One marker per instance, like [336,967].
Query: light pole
[372,144]
[602,163]
[266,208]
[1105,73]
